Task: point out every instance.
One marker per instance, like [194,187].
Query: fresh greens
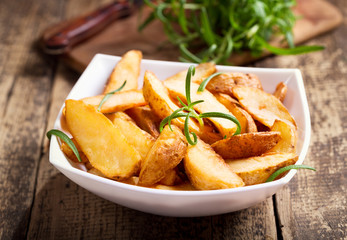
[188,111]
[287,168]
[211,30]
[108,95]
[66,139]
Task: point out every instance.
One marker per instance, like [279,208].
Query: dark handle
[60,38]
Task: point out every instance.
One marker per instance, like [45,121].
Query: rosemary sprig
[287,168]
[204,83]
[108,95]
[66,139]
[211,30]
[187,111]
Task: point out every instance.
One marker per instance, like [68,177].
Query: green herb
[206,81]
[188,111]
[211,30]
[287,168]
[66,139]
[108,95]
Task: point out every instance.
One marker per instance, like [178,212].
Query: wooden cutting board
[317,17]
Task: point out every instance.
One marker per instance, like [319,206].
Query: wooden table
[38,202]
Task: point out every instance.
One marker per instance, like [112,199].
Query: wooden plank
[25,89]
[313,205]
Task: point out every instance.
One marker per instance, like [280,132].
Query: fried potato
[281,91]
[202,71]
[246,121]
[134,180]
[181,187]
[119,101]
[166,153]
[257,170]
[206,170]
[210,104]
[246,145]
[70,154]
[127,69]
[96,172]
[171,178]
[161,104]
[141,140]
[145,119]
[102,142]
[289,137]
[263,106]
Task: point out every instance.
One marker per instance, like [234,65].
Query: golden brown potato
[246,145]
[289,137]
[127,69]
[181,187]
[210,104]
[202,71]
[281,91]
[161,104]
[257,170]
[263,106]
[145,119]
[70,154]
[246,121]
[96,172]
[134,180]
[206,170]
[171,178]
[119,101]
[141,140]
[102,142]
[166,153]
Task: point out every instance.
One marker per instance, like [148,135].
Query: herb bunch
[211,30]
[188,111]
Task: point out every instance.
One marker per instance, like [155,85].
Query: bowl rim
[55,149]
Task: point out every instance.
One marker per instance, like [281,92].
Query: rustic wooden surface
[37,202]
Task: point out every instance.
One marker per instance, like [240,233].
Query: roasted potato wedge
[96,172]
[289,137]
[166,153]
[210,104]
[171,178]
[98,143]
[119,101]
[246,121]
[257,170]
[246,145]
[161,104]
[181,187]
[145,119]
[281,91]
[206,170]
[127,69]
[141,140]
[202,71]
[70,154]
[263,106]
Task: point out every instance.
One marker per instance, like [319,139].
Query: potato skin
[166,153]
[246,145]
[206,170]
[289,137]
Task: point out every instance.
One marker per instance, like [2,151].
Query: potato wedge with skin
[119,101]
[180,187]
[102,142]
[246,145]
[289,137]
[141,140]
[206,170]
[145,119]
[161,104]
[166,153]
[263,106]
[246,121]
[210,104]
[281,91]
[202,71]
[171,178]
[257,170]
[127,69]
[70,154]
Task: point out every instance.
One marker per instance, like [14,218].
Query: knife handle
[60,38]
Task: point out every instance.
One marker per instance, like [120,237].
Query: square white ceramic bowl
[183,203]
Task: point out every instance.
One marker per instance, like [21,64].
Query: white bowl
[183,203]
